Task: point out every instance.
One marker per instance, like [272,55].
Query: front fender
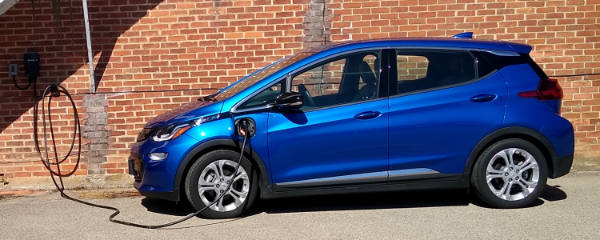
[214,144]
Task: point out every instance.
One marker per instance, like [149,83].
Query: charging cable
[31,80]
[57,175]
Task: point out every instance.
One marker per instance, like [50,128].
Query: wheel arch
[218,144]
[527,134]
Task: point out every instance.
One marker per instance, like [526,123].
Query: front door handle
[367,115]
[483,98]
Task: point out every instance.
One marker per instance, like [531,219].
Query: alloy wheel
[512,174]
[214,180]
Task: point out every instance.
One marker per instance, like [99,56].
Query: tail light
[548,89]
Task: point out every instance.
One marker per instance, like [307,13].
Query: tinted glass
[427,69]
[538,70]
[484,67]
[266,96]
[498,62]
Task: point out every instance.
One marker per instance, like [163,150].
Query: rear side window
[419,70]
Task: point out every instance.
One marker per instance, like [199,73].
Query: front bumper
[170,195]
[156,179]
[136,168]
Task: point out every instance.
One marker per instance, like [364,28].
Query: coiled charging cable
[53,91]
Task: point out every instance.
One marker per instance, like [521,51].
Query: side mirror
[289,101]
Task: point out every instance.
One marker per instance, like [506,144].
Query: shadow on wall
[60,42]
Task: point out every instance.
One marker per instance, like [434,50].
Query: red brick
[191,44]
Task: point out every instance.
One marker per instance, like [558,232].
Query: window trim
[379,53]
[390,78]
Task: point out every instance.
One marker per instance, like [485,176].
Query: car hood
[186,112]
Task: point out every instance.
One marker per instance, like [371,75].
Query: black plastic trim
[562,166]
[214,145]
[171,196]
[446,181]
[555,164]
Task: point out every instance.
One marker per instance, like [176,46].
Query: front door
[340,136]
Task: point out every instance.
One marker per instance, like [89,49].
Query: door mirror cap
[289,101]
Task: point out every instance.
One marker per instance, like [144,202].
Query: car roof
[451,43]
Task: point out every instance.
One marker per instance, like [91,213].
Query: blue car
[364,116]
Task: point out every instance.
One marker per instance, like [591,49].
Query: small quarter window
[266,96]
[484,66]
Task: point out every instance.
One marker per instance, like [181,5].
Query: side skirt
[434,181]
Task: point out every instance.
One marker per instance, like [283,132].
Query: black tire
[193,175]
[480,184]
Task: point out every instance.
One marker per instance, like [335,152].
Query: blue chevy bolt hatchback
[364,116]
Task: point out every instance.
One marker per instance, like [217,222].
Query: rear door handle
[367,115]
[483,98]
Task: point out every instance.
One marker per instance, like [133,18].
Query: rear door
[442,102]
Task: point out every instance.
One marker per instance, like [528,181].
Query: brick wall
[170,52]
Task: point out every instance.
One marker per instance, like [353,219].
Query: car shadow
[387,200]
[364,201]
[161,206]
[553,193]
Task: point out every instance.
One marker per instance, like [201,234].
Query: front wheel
[208,179]
[510,173]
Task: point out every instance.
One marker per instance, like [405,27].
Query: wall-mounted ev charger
[31,64]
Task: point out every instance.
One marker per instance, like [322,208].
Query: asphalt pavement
[568,209]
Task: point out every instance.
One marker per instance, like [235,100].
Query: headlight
[169,132]
[173,131]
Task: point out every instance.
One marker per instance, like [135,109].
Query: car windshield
[256,76]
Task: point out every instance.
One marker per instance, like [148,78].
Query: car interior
[359,82]
[443,69]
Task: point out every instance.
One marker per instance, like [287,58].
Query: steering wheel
[308,100]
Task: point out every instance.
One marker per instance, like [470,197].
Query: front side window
[342,80]
[347,79]
[420,70]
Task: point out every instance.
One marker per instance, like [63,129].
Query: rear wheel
[208,179]
[510,173]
